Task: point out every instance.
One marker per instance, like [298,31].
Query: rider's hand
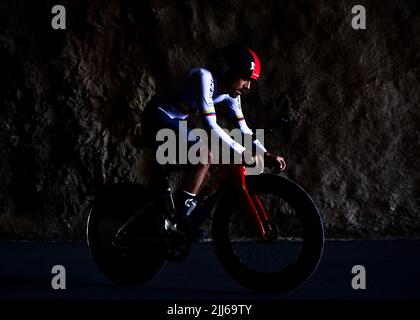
[249,159]
[274,160]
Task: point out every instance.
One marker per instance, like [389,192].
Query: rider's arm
[236,109]
[272,159]
[209,113]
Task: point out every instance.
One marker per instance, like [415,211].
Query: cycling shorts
[156,119]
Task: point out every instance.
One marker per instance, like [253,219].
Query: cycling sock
[189,194]
[186,203]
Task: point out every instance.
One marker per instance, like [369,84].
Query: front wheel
[290,251]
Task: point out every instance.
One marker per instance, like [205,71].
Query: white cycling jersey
[199,93]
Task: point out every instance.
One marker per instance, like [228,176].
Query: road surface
[392,272]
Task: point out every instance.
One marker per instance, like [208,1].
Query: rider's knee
[210,156]
[207,156]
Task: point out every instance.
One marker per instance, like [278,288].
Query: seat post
[163,177]
[165,188]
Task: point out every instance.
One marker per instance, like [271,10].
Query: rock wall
[71,103]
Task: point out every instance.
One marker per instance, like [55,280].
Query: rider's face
[238,86]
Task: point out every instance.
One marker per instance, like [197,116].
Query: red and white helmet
[236,60]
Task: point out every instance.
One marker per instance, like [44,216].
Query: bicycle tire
[312,243]
[114,204]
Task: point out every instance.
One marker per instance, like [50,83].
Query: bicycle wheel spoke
[255,253]
[288,251]
[280,252]
[245,247]
[265,270]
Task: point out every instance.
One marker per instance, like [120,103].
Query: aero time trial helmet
[236,60]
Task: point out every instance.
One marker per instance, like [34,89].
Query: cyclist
[233,71]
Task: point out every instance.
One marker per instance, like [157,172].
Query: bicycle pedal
[171,226]
[178,248]
[198,235]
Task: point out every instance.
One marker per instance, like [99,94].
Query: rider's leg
[197,174]
[186,198]
[205,188]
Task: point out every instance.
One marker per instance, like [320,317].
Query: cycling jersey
[198,93]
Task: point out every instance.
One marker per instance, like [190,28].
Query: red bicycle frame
[237,174]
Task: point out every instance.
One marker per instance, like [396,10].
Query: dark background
[71,103]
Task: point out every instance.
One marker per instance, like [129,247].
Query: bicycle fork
[253,205]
